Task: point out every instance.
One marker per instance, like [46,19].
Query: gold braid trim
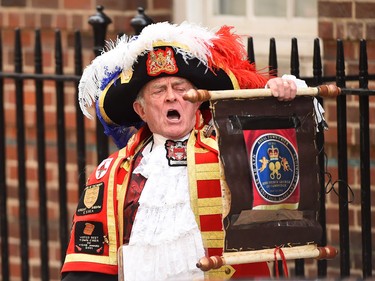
[190,149]
[208,206]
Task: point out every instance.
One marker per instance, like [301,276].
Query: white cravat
[165,241]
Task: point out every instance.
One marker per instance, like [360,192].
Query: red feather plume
[229,53]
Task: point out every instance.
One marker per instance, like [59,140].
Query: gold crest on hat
[161,61]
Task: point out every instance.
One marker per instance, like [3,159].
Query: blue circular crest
[274,166]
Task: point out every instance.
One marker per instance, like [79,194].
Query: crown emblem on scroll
[161,61]
[273,153]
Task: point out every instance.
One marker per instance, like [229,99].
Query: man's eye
[157,92]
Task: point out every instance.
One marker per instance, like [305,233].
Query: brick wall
[67,16]
[350,21]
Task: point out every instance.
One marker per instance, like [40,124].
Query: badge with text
[273,159]
[91,201]
[176,152]
[89,237]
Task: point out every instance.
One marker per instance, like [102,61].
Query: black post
[365,164]
[250,50]
[61,145]
[272,62]
[140,21]
[294,58]
[317,73]
[81,149]
[317,63]
[4,234]
[343,164]
[41,146]
[294,70]
[21,158]
[272,59]
[100,22]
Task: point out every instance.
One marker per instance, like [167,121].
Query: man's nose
[171,95]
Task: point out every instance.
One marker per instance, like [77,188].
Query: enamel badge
[102,169]
[176,152]
[92,200]
[274,166]
[161,61]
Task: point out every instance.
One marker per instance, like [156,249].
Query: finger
[274,85]
[283,89]
[293,89]
[290,90]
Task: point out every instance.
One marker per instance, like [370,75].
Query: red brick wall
[66,16]
[349,21]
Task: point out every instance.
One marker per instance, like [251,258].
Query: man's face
[164,109]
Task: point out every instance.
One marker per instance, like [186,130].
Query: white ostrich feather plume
[123,53]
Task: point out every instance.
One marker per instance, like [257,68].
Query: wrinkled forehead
[171,80]
[165,82]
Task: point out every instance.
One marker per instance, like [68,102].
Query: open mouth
[173,115]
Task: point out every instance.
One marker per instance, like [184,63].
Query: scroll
[269,159]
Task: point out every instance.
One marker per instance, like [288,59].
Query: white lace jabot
[165,241]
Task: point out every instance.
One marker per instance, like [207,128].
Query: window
[270,8]
[265,19]
[262,20]
[226,7]
[267,8]
[297,17]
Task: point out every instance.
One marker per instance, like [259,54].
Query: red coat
[97,229]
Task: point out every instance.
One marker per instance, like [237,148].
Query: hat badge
[161,61]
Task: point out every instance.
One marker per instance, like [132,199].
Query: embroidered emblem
[176,152]
[274,166]
[89,237]
[91,195]
[92,200]
[102,169]
[89,229]
[161,61]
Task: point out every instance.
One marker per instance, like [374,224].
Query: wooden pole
[204,95]
[290,253]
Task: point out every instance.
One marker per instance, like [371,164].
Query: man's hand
[282,89]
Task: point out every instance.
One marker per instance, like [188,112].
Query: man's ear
[138,108]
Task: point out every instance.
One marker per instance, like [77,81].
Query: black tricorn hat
[116,100]
[209,60]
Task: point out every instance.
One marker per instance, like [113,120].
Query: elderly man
[144,196]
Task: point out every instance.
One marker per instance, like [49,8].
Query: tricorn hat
[209,60]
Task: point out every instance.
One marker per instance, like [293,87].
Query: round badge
[274,166]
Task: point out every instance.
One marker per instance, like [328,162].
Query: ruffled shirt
[165,241]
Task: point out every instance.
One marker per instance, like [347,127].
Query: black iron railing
[99,23]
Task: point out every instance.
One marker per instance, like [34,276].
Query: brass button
[227,270]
